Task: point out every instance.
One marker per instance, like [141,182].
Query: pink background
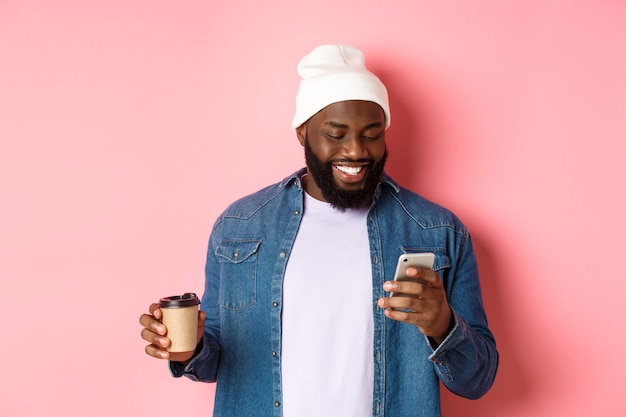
[127,126]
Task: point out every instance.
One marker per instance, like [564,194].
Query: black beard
[322,173]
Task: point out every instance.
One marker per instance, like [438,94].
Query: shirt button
[296,212]
[282,254]
[275,304]
[273,353]
[276,404]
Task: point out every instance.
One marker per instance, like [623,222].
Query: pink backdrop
[127,126]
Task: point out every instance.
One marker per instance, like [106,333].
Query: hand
[155,332]
[421,302]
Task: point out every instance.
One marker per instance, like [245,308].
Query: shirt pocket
[442,260]
[238,260]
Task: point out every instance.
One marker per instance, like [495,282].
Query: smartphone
[418,260]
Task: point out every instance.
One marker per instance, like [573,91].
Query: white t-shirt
[327,321]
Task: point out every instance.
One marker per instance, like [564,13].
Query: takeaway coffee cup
[180,317]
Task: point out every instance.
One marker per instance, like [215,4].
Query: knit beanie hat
[333,73]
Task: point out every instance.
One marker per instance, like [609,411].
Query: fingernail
[390,285]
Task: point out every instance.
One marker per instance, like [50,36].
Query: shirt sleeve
[202,367]
[467,360]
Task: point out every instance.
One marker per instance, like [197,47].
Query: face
[345,152]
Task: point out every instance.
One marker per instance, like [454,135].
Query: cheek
[325,151]
[377,151]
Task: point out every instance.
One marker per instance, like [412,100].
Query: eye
[334,135]
[373,136]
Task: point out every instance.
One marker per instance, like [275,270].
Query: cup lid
[178,301]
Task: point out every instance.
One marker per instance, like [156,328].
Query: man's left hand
[420,301]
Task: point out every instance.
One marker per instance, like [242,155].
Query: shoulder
[404,203]
[247,206]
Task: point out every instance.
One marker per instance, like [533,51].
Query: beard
[322,173]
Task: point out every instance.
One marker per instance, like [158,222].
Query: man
[299,316]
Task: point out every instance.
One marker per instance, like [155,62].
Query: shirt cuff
[179,369]
[456,336]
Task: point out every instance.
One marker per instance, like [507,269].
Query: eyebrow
[339,125]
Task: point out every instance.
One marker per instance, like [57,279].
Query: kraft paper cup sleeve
[180,317]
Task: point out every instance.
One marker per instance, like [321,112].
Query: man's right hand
[155,332]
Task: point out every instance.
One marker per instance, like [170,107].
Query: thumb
[411,272]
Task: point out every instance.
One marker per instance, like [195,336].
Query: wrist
[436,340]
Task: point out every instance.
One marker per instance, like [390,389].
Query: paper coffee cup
[180,317]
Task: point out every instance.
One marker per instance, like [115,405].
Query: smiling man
[345,152]
[297,318]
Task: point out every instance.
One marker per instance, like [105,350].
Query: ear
[301,133]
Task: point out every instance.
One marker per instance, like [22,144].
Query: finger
[157,352]
[155,311]
[404,303]
[155,339]
[152,324]
[412,287]
[430,277]
[201,319]
[421,320]
[400,315]
[411,311]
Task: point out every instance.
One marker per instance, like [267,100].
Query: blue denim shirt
[248,252]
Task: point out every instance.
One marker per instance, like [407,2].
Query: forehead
[351,112]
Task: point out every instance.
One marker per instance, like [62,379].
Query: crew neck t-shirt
[327,321]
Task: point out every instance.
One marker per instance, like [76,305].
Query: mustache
[351,161]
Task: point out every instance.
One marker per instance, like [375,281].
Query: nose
[354,148]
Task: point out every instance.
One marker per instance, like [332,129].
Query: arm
[203,366]
[450,313]
[198,365]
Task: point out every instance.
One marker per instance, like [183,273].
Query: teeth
[349,170]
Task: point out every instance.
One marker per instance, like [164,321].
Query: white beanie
[334,73]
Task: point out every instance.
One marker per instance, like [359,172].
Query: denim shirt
[248,251]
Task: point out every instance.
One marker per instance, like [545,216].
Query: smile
[349,170]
